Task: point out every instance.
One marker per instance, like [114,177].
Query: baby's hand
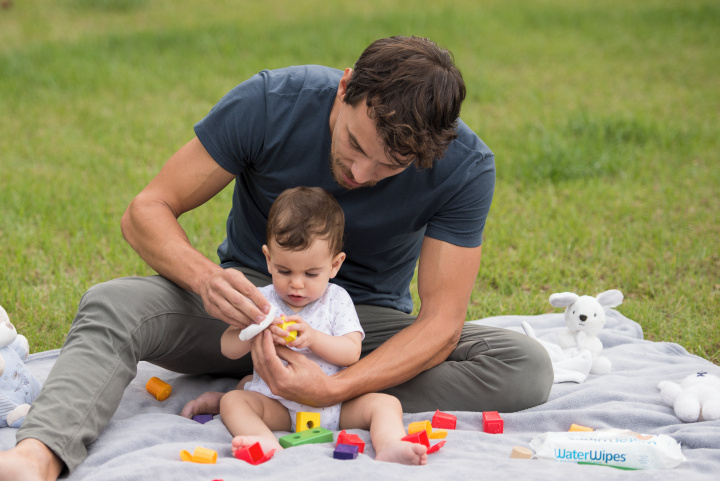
[303,333]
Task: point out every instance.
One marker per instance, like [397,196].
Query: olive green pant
[122,322]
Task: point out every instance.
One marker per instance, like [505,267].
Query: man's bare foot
[206,403]
[265,443]
[403,452]
[30,460]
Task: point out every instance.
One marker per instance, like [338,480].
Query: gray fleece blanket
[145,436]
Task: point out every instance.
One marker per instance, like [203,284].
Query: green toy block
[309,436]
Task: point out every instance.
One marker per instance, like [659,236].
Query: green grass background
[603,115]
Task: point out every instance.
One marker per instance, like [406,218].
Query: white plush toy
[696,398]
[18,386]
[585,317]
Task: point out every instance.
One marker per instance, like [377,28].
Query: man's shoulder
[301,77]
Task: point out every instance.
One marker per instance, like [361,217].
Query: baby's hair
[303,214]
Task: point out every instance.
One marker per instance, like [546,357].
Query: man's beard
[338,169]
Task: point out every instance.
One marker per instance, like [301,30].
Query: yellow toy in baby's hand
[292,335]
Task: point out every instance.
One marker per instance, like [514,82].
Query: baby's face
[301,277]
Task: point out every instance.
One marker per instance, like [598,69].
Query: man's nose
[362,171]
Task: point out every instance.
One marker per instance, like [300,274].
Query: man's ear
[336,263]
[342,87]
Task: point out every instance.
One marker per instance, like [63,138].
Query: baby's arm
[230,344]
[339,350]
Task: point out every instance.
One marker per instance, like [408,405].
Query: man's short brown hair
[303,214]
[413,91]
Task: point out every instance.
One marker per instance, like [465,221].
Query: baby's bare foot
[265,443]
[403,452]
[206,403]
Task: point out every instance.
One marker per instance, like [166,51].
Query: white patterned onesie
[334,314]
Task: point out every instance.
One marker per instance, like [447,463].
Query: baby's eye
[311,274]
[284,273]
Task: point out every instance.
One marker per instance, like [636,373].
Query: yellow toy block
[292,335]
[438,434]
[420,426]
[200,455]
[305,421]
[577,427]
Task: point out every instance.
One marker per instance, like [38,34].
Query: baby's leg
[209,402]
[251,417]
[382,414]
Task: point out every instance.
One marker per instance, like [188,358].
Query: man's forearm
[155,234]
[422,345]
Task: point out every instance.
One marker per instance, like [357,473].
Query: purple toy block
[346,451]
[202,418]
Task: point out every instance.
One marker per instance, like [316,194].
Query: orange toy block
[158,388]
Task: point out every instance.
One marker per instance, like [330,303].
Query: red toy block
[492,422]
[419,437]
[435,447]
[443,420]
[352,440]
[253,454]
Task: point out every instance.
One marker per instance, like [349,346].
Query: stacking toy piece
[254,454]
[158,388]
[309,436]
[200,455]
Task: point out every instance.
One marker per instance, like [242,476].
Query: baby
[303,252]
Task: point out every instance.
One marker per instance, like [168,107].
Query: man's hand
[229,296]
[301,380]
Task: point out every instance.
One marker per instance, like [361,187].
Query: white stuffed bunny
[18,386]
[697,397]
[585,317]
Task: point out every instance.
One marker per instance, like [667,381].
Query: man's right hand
[229,296]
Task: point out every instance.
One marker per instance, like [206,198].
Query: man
[415,184]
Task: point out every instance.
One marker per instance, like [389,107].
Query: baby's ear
[336,263]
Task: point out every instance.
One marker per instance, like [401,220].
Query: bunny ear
[611,298]
[563,299]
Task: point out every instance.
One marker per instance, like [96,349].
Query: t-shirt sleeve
[233,132]
[461,220]
[345,318]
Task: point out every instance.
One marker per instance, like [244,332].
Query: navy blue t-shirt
[272,131]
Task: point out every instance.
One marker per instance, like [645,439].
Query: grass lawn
[604,118]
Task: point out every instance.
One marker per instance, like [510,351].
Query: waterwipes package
[619,448]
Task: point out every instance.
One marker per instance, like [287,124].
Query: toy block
[520,452]
[492,422]
[346,451]
[309,436]
[351,439]
[158,388]
[420,426]
[438,434]
[292,335]
[436,447]
[443,420]
[419,437]
[200,455]
[254,454]
[577,427]
[305,420]
[203,418]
